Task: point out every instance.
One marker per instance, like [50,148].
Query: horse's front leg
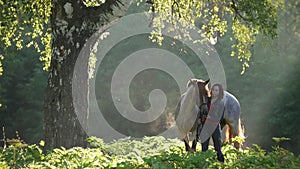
[197,134]
[186,143]
[194,145]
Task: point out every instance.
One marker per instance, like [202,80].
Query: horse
[189,105]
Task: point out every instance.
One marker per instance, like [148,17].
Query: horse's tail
[241,131]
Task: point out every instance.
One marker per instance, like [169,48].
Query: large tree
[72,24]
[68,24]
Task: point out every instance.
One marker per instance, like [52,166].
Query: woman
[212,121]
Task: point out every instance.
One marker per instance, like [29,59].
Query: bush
[150,152]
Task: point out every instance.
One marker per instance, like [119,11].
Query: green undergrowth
[150,152]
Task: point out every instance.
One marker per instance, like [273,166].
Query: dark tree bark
[72,25]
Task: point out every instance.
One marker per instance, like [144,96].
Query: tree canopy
[26,20]
[244,18]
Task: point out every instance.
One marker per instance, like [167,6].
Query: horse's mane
[206,89]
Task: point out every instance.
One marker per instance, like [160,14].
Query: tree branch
[234,7]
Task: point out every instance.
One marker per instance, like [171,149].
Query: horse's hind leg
[234,131]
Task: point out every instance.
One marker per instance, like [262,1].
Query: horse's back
[232,107]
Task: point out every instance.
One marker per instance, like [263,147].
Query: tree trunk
[72,24]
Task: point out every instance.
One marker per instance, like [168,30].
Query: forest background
[269,90]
